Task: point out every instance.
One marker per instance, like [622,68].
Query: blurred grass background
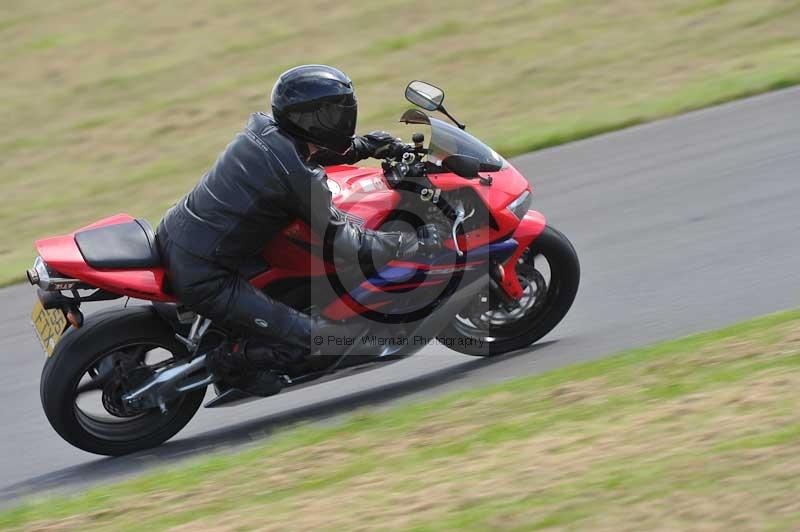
[701,433]
[110,106]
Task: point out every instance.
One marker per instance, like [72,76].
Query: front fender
[528,230]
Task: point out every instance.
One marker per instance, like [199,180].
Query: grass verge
[109,106]
[699,432]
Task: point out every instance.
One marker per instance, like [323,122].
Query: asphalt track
[681,225]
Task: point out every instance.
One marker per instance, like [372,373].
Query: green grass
[699,432]
[121,106]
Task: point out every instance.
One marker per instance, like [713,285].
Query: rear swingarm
[169,384]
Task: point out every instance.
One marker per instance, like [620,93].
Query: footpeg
[257,386]
[196,333]
[232,397]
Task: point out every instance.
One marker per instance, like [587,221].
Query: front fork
[528,230]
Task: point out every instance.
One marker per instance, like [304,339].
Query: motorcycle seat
[128,245]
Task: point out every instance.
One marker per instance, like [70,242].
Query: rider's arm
[371,145]
[351,243]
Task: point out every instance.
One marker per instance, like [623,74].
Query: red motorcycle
[125,379]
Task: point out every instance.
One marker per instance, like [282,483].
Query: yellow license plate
[49,326]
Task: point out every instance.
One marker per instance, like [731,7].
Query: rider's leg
[223,296]
[276,335]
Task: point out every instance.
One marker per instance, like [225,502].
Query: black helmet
[316,103]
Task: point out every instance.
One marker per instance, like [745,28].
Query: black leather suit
[259,184]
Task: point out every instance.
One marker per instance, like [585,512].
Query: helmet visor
[337,121]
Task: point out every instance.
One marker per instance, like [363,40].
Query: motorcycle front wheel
[549,273]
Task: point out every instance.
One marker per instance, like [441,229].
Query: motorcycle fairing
[362,194]
[398,289]
[365,194]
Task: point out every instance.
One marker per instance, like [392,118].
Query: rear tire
[82,349]
[561,292]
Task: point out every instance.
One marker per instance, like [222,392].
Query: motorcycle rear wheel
[88,361]
[496,337]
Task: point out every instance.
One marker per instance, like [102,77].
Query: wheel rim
[540,280]
[95,397]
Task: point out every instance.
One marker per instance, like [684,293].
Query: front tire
[487,338]
[82,354]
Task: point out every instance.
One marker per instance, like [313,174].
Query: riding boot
[236,369]
[293,336]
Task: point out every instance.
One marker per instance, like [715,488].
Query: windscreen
[449,140]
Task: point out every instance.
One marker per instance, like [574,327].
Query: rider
[268,176]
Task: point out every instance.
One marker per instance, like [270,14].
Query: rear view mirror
[462,165]
[425,95]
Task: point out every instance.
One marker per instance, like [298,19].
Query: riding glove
[425,241]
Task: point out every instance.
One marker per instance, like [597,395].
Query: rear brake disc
[117,386]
